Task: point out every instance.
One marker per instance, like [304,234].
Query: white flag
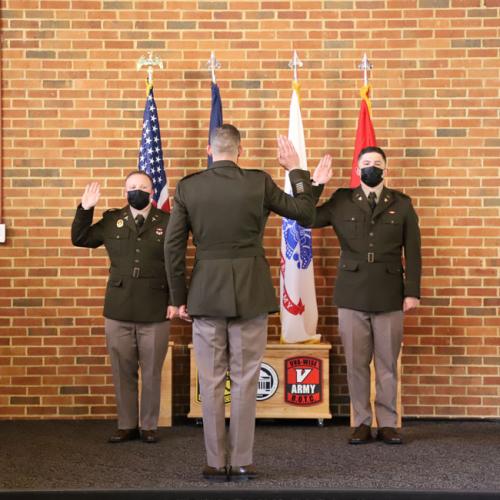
[299,310]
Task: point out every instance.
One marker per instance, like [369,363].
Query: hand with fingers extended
[287,156]
[91,195]
[323,172]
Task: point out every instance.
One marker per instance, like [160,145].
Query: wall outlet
[2,233]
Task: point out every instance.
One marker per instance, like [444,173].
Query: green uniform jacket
[371,276]
[137,286]
[226,209]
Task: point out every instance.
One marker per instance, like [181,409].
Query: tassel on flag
[299,310]
[151,153]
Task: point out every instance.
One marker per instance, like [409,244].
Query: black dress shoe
[389,435]
[149,436]
[242,472]
[122,435]
[361,435]
[215,474]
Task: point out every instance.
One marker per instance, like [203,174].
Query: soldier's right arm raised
[83,233]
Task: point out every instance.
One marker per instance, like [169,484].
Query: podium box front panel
[294,382]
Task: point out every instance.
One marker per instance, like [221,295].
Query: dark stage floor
[298,458]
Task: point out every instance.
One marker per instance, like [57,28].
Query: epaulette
[400,193]
[110,211]
[192,175]
[254,170]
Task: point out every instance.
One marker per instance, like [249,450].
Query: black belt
[229,253]
[136,272]
[370,257]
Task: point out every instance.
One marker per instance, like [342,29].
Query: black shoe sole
[365,441]
[239,479]
[216,479]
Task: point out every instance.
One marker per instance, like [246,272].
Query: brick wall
[72,104]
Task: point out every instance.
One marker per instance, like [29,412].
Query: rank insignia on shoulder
[159,231]
[119,223]
[299,187]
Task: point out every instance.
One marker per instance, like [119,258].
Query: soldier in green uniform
[231,293]
[136,302]
[375,226]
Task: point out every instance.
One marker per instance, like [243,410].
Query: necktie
[139,220]
[371,200]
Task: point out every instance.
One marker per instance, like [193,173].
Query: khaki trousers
[130,346]
[366,336]
[236,345]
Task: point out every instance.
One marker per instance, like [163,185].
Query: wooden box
[293,383]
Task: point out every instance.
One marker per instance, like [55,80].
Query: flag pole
[294,64]
[149,62]
[366,66]
[365,91]
[212,65]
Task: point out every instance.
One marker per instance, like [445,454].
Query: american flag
[151,154]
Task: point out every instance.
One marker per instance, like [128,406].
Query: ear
[209,150]
[358,171]
[240,150]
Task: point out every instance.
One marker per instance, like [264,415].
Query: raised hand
[323,172]
[287,156]
[91,195]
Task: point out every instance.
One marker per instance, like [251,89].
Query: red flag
[365,135]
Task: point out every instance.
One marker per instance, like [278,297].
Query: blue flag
[215,114]
[151,153]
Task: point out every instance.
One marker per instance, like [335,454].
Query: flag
[215,114]
[365,134]
[151,153]
[299,311]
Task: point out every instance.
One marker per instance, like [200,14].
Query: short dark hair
[225,139]
[140,172]
[372,149]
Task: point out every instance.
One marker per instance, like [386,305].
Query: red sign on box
[303,381]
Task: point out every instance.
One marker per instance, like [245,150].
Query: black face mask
[138,199]
[372,176]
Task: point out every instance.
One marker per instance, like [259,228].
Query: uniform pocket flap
[350,218]
[394,268]
[392,219]
[349,265]
[115,282]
